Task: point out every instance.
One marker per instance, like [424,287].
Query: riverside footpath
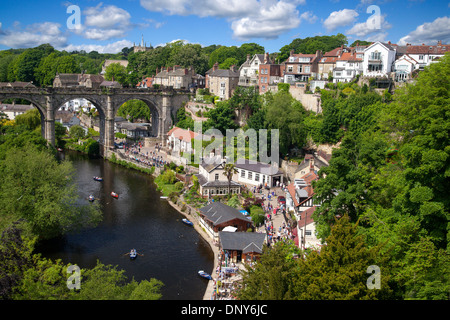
[276,225]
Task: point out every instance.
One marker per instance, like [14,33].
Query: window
[249,176]
[291,59]
[307,69]
[421,57]
[290,68]
[308,233]
[216,177]
[242,173]
[375,55]
[299,69]
[256,176]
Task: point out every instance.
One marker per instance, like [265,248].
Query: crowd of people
[149,158]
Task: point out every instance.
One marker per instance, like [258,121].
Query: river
[173,252]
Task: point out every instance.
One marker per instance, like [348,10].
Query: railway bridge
[163,103]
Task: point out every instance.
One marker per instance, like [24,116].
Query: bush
[179,186]
[168,177]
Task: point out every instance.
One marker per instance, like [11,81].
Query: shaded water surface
[173,252]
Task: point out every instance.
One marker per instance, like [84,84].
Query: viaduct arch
[163,103]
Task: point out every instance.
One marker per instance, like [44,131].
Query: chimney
[215,66]
[248,57]
[266,58]
[233,68]
[292,52]
[311,164]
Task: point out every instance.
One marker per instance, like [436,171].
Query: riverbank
[128,163]
[194,218]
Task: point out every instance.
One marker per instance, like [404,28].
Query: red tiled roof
[182,134]
[348,56]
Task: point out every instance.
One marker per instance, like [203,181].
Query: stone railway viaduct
[163,103]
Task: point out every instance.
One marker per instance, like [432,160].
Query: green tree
[271,278]
[77,132]
[228,171]
[30,119]
[39,190]
[339,270]
[116,72]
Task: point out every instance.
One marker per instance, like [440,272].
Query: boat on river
[114,195]
[91,198]
[186,221]
[133,254]
[98,178]
[205,275]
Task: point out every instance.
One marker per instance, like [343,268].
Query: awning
[229,229]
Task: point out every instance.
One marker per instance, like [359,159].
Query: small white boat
[164,197]
[133,254]
[186,221]
[91,198]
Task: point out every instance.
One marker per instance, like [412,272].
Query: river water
[173,252]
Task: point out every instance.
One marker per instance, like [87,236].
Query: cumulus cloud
[340,18]
[33,35]
[249,19]
[104,23]
[114,47]
[308,16]
[429,33]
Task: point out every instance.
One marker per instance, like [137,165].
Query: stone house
[222,82]
[68,80]
[176,77]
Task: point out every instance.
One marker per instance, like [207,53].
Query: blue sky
[109,26]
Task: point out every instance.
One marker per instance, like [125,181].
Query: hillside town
[239,205]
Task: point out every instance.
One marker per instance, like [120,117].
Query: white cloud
[374,29]
[114,47]
[249,18]
[106,17]
[104,23]
[340,18]
[429,33]
[269,23]
[33,35]
[308,16]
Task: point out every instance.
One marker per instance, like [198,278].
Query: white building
[249,70]
[13,110]
[348,66]
[404,66]
[257,173]
[212,180]
[379,59]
